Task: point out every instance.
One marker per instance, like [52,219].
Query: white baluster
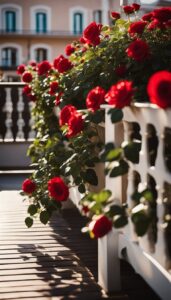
[8,108]
[20,108]
[31,122]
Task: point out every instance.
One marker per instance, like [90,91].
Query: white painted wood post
[105,12]
[108,259]
[8,108]
[20,108]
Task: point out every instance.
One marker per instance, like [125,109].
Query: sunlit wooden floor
[55,261]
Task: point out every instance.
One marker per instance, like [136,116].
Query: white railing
[149,255]
[16,122]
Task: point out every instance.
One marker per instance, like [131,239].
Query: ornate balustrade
[15,126]
[150,255]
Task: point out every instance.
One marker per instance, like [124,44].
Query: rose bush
[126,62]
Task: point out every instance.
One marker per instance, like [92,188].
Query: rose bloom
[27,77]
[136,6]
[147,17]
[26,89]
[115,15]
[159,89]
[62,64]
[121,70]
[138,50]
[69,49]
[137,27]
[21,69]
[66,113]
[53,87]
[32,63]
[155,24]
[44,67]
[75,125]
[162,14]
[101,226]
[58,189]
[95,98]
[128,9]
[28,186]
[32,97]
[91,34]
[120,94]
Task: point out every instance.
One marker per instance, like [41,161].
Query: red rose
[115,15]
[32,63]
[136,6]
[27,77]
[66,113]
[101,226]
[85,209]
[162,14]
[44,67]
[147,17]
[120,70]
[155,24]
[91,34]
[120,94]
[138,50]
[58,189]
[53,87]
[21,69]
[26,89]
[32,97]
[62,64]
[69,49]
[159,89]
[75,125]
[95,98]
[137,27]
[28,186]
[82,40]
[128,9]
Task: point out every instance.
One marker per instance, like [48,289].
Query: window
[10,17]
[97,16]
[40,54]
[9,57]
[41,22]
[40,18]
[10,21]
[78,23]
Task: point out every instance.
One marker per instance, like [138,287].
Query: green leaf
[114,154]
[119,170]
[131,151]
[116,115]
[120,221]
[114,210]
[32,209]
[95,207]
[29,222]
[103,196]
[44,217]
[90,176]
[81,188]
[140,219]
[97,117]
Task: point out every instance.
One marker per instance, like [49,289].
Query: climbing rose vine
[115,65]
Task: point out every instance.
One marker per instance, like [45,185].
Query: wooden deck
[55,261]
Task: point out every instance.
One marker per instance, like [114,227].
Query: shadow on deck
[55,261]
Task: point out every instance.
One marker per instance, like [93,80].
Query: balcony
[149,256]
[35,34]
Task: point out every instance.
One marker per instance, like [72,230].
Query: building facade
[40,29]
